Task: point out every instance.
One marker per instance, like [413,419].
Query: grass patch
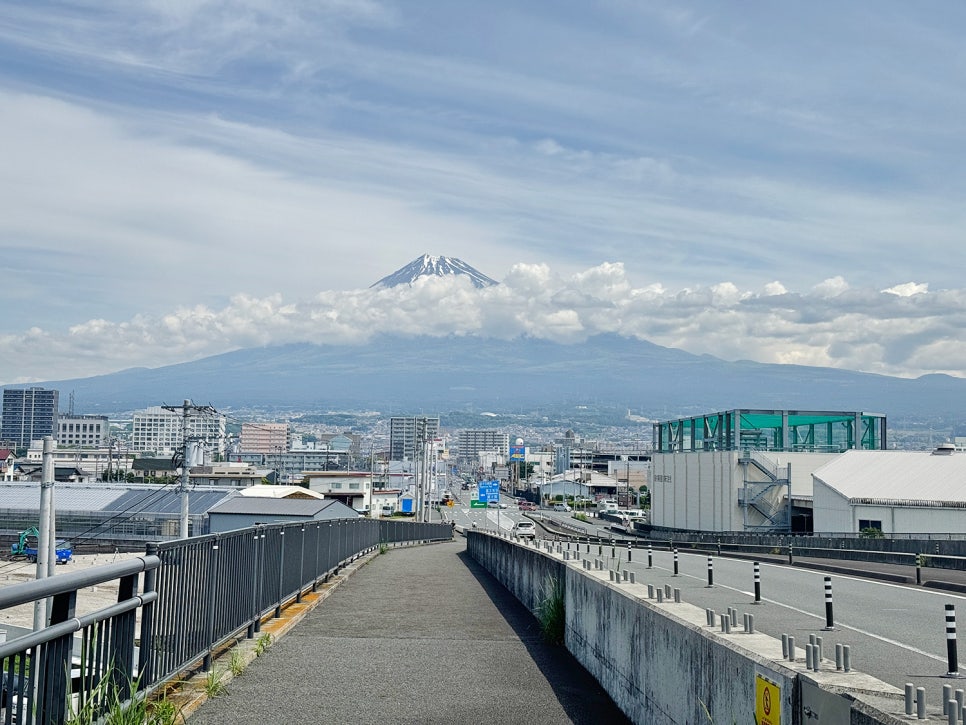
[551,611]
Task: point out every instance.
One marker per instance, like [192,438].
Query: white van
[561,507]
[607,505]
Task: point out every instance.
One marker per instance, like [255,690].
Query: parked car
[524,529]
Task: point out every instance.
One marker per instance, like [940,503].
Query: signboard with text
[518,454]
[488,491]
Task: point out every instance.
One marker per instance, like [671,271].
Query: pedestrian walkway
[418,635]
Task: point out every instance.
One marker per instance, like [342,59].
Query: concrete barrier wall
[662,665]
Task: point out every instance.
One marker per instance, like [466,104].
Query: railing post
[212,603]
[145,658]
[298,597]
[281,571]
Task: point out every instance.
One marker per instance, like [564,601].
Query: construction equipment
[26,546]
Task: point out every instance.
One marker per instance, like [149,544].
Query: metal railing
[197,594]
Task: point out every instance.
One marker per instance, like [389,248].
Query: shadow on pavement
[579,694]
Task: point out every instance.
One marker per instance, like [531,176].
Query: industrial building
[750,470]
[239,512]
[894,492]
[91,512]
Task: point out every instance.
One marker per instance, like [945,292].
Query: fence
[196,595]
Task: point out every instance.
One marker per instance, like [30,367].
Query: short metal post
[949,710]
[958,697]
[838,656]
[710,571]
[790,559]
[757,583]
[675,562]
[677,596]
[719,547]
[809,655]
[632,577]
[829,619]
[784,646]
[667,591]
[650,591]
[951,653]
[910,696]
[660,596]
[920,703]
[791,648]
[847,658]
[947,696]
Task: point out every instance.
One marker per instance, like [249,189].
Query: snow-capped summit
[433,266]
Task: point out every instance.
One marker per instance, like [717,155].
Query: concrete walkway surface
[417,635]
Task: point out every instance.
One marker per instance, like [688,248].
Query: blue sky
[770,181]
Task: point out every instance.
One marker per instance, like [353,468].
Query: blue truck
[26,546]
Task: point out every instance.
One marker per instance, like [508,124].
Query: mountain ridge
[452,372]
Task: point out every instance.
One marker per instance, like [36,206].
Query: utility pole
[46,540]
[187,409]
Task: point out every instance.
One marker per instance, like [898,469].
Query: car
[524,529]
[561,507]
[496,505]
[527,506]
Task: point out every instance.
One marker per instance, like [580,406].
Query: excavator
[26,546]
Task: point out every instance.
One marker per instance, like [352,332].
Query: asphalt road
[896,632]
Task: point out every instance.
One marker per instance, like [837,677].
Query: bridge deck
[419,635]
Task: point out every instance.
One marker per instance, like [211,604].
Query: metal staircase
[769,498]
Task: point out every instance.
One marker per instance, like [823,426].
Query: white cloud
[858,329]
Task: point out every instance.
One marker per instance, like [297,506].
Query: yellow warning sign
[768,702]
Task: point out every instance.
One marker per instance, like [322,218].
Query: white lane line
[864,632]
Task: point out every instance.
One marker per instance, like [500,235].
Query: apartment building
[28,414]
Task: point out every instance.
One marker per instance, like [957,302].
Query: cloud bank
[905,330]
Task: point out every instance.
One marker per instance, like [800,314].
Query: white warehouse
[896,492]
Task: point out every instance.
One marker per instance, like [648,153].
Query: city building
[97,462]
[8,464]
[240,512]
[82,431]
[354,489]
[408,435]
[28,414]
[750,470]
[226,475]
[158,430]
[894,492]
[265,437]
[470,443]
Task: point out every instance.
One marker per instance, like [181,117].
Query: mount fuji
[433,266]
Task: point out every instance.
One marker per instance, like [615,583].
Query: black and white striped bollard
[650,557]
[710,571]
[829,619]
[757,583]
[951,652]
[675,562]
[628,551]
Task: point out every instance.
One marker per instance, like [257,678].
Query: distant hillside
[435,374]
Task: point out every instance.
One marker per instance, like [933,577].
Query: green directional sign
[474,504]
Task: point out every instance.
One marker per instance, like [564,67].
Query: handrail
[62,583]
